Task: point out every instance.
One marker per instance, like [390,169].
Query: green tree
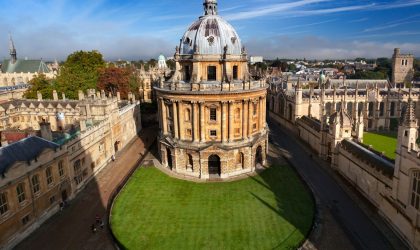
[80,72]
[373,75]
[43,85]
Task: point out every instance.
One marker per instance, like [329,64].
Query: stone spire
[12,50]
[409,119]
[210,7]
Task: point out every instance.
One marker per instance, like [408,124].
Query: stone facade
[94,128]
[402,67]
[391,186]
[212,115]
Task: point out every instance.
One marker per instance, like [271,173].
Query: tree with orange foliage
[114,80]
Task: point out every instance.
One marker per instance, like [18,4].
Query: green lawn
[382,142]
[271,211]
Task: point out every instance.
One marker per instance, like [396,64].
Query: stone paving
[71,228]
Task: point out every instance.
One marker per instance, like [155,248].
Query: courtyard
[382,142]
[273,210]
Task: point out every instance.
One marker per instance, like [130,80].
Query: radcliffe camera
[210,124]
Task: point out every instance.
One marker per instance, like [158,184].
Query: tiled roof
[25,150]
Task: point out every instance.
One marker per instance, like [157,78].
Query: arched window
[187,73]
[240,160]
[213,114]
[415,190]
[392,113]
[235,72]
[187,115]
[190,164]
[371,109]
[350,108]
[35,184]
[4,207]
[211,73]
[381,109]
[360,108]
[20,190]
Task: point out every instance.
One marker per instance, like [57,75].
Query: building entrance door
[214,165]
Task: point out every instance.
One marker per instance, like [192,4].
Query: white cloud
[312,47]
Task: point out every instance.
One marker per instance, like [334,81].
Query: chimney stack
[64,96]
[46,132]
[118,96]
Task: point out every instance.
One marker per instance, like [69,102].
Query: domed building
[212,114]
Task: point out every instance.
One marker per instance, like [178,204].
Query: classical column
[244,119]
[164,117]
[181,121]
[250,116]
[195,122]
[202,127]
[175,118]
[224,131]
[231,121]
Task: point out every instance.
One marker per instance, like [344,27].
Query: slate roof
[380,163]
[24,66]
[25,150]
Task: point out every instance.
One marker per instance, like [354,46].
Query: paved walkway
[70,229]
[345,224]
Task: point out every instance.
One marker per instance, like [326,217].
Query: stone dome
[210,34]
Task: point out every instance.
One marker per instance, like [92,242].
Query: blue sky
[273,28]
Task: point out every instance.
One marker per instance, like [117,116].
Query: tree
[114,80]
[373,75]
[42,84]
[80,72]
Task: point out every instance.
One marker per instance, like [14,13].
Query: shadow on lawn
[293,203]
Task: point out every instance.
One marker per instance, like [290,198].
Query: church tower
[402,67]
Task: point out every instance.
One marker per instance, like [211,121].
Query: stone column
[164,117]
[181,121]
[250,116]
[231,121]
[244,119]
[202,127]
[175,118]
[264,111]
[195,122]
[224,131]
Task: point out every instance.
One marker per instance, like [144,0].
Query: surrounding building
[16,71]
[402,67]
[212,115]
[332,121]
[51,149]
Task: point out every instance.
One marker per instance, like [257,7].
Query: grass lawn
[382,142]
[270,211]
